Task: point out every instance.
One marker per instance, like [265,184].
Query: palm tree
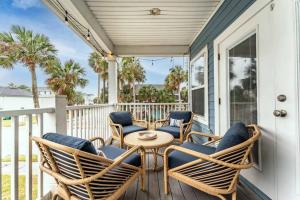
[65,78]
[32,50]
[148,93]
[132,72]
[175,78]
[100,66]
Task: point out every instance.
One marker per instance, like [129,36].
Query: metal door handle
[280,113]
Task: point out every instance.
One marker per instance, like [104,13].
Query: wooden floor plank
[153,182]
[178,191]
[160,178]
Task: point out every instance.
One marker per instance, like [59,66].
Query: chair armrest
[98,138]
[159,121]
[141,121]
[205,157]
[118,127]
[210,136]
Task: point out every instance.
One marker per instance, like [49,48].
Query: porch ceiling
[125,27]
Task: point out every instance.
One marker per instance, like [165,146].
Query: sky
[34,15]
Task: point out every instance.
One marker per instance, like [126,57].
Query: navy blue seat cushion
[173,130]
[237,134]
[132,128]
[73,142]
[123,118]
[177,158]
[185,115]
[113,152]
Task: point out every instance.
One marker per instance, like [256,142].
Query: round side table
[163,139]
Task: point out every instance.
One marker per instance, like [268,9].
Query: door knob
[279,113]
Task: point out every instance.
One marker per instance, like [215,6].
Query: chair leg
[143,174]
[234,195]
[166,178]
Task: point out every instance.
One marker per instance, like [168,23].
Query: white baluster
[29,160]
[40,173]
[15,163]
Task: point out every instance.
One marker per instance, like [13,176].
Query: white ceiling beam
[83,14]
[154,50]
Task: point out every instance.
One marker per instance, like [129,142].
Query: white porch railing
[151,111]
[79,121]
[24,118]
[89,121]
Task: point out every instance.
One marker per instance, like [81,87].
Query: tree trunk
[99,90]
[34,87]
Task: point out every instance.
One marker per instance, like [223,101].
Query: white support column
[112,80]
[54,122]
[57,121]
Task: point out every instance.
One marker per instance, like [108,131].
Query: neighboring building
[88,98]
[45,91]
[15,98]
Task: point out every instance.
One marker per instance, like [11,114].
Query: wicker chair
[179,133]
[83,175]
[123,123]
[207,169]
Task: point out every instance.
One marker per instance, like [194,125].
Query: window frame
[203,52]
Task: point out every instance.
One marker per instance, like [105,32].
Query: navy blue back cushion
[237,134]
[73,142]
[123,118]
[185,115]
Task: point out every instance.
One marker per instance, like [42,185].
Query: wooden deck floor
[179,190]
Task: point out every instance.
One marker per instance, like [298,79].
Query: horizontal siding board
[226,14]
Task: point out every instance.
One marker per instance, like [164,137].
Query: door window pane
[242,82]
[243,86]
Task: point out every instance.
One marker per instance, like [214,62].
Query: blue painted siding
[226,14]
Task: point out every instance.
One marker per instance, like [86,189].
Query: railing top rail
[78,107]
[152,103]
[5,113]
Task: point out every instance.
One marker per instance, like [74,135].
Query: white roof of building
[14,92]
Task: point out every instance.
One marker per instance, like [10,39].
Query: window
[198,85]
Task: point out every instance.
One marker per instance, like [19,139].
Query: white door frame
[246,16]
[297,50]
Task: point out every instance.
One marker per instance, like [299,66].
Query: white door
[255,72]
[246,91]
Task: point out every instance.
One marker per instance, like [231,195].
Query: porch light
[155,11]
[66,18]
[88,35]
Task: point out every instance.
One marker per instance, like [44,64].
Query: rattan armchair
[216,173]
[82,175]
[123,123]
[181,132]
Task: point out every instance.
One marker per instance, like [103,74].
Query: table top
[163,139]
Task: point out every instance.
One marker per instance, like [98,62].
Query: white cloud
[25,4]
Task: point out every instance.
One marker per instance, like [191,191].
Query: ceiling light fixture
[66,18]
[88,35]
[155,11]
